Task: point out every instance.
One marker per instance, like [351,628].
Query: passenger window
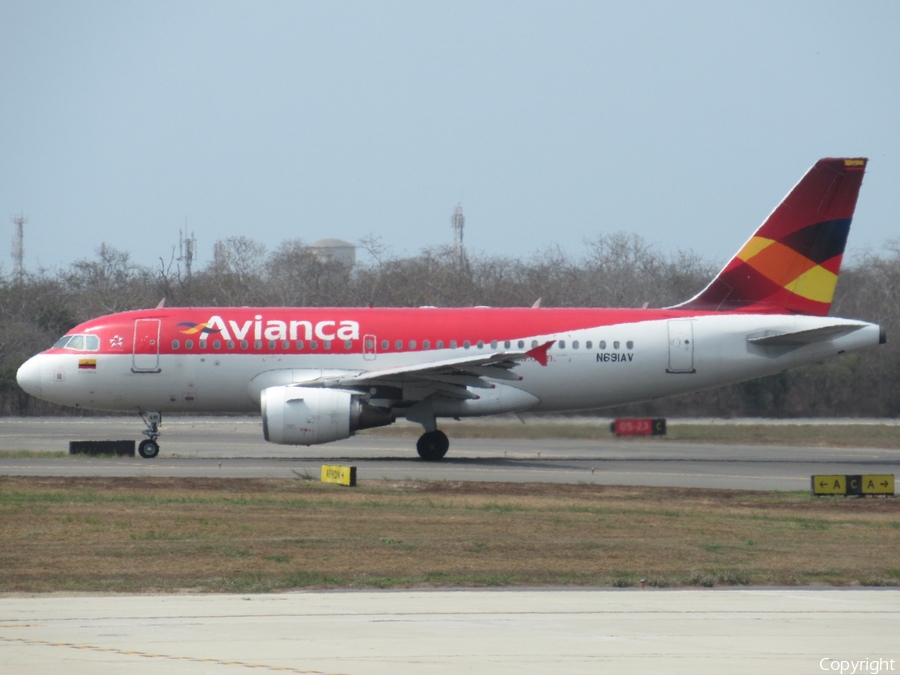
[412,344]
[175,344]
[385,344]
[588,344]
[77,342]
[562,344]
[230,344]
[370,344]
[271,345]
[493,344]
[616,344]
[467,344]
[398,344]
[426,344]
[452,344]
[521,344]
[313,344]
[574,344]
[285,345]
[216,344]
[602,344]
[91,343]
[326,344]
[348,344]
[507,344]
[534,344]
[629,344]
[188,344]
[480,344]
[202,344]
[244,344]
[440,344]
[299,344]
[257,344]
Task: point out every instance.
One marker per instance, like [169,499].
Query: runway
[234,447]
[411,632]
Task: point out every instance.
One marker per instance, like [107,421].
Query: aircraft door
[681,346]
[370,347]
[146,346]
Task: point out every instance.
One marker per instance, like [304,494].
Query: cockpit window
[81,343]
[77,342]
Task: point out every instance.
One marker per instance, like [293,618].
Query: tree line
[616,270]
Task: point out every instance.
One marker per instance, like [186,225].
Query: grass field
[848,435]
[236,535]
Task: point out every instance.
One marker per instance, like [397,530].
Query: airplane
[319,375]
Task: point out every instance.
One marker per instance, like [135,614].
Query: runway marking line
[171,657]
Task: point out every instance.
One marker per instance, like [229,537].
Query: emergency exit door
[146,346]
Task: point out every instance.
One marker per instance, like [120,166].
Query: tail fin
[791,263]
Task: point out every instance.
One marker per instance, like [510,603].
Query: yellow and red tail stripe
[791,264]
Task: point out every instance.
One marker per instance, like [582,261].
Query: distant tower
[458,222]
[335,250]
[18,248]
[220,256]
[186,251]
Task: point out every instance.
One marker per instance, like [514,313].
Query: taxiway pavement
[234,447]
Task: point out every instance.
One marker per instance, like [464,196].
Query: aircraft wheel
[148,449]
[433,445]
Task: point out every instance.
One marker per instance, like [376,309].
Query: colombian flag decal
[87,364]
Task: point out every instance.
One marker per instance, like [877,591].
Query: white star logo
[116,341]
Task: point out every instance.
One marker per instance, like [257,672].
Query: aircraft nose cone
[29,376]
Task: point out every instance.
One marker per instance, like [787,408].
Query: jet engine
[312,415]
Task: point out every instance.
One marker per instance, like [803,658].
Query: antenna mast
[187,248]
[18,248]
[458,222]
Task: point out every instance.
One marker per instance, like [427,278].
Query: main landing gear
[149,448]
[433,445]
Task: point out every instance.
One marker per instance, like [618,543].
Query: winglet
[539,353]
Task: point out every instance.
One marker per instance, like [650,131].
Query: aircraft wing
[451,377]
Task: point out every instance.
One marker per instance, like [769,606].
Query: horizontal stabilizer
[804,337]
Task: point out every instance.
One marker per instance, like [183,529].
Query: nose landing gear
[149,448]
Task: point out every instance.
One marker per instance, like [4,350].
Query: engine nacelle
[312,415]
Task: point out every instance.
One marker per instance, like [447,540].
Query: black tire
[433,445]
[148,449]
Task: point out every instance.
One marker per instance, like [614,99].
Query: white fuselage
[638,361]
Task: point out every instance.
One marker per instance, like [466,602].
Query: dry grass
[237,535]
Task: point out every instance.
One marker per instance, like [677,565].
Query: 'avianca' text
[274,329]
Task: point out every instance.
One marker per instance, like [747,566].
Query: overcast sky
[685,123]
